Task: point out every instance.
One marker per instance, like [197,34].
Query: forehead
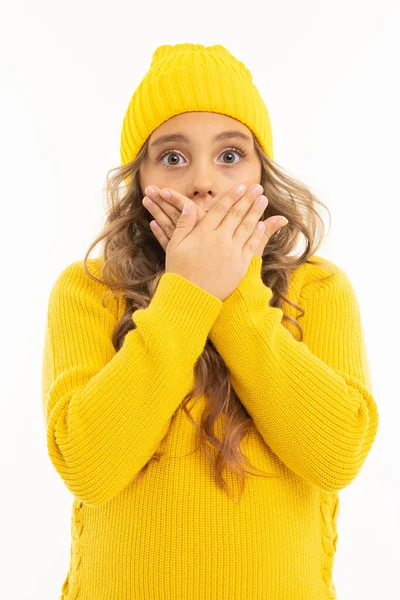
[195,126]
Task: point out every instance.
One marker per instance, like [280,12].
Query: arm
[106,411]
[312,400]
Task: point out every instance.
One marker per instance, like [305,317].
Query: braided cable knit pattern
[70,587]
[329,513]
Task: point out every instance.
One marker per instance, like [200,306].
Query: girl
[206,393]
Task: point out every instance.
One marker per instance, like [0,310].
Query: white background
[328,75]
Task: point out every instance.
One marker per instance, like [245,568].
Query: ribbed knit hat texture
[188,78]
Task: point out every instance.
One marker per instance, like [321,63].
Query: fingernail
[150,191]
[165,194]
[256,189]
[282,221]
[241,188]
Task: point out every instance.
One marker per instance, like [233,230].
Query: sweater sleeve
[311,401]
[106,411]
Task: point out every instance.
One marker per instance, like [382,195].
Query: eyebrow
[179,137]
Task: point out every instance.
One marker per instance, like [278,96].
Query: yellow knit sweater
[175,534]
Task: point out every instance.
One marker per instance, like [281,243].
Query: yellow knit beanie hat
[188,78]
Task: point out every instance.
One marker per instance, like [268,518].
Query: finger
[169,208]
[245,227]
[177,200]
[159,234]
[251,244]
[269,231]
[229,211]
[272,224]
[163,220]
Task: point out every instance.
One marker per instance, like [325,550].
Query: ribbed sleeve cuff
[181,303]
[249,297]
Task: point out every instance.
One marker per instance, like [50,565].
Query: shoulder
[83,283]
[74,274]
[321,275]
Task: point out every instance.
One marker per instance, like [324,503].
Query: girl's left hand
[167,212]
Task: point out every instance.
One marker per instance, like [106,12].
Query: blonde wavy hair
[134,262]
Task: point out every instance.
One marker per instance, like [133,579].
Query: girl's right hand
[215,254]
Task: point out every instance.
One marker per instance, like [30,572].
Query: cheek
[254,171]
[248,176]
[160,177]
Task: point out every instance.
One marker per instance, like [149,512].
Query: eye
[227,151]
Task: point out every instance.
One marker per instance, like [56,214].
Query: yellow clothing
[176,534]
